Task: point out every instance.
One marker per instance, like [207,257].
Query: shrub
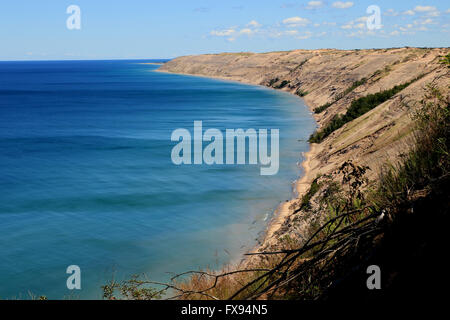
[283,84]
[344,244]
[341,95]
[357,108]
[272,82]
[315,186]
[446,60]
[323,107]
[428,159]
[301,93]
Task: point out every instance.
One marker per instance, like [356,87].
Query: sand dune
[326,76]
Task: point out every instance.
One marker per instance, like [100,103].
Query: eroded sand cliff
[330,76]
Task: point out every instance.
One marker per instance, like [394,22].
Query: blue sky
[36,30]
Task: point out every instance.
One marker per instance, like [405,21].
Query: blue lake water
[86,176]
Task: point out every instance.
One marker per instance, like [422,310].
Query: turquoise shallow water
[86,175]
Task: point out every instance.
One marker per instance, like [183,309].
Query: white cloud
[314,5]
[361,19]
[429,10]
[342,5]
[296,34]
[394,33]
[296,22]
[409,13]
[233,33]
[424,22]
[427,21]
[290,32]
[254,24]
[358,23]
[424,8]
[223,33]
[329,23]
[277,34]
[305,35]
[433,14]
[246,31]
[391,12]
[356,34]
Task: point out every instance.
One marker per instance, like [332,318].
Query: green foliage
[357,219]
[428,160]
[354,179]
[357,108]
[301,64]
[273,81]
[424,170]
[354,85]
[446,60]
[323,107]
[133,289]
[339,202]
[301,93]
[315,186]
[283,84]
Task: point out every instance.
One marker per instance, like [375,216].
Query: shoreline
[214,78]
[153,63]
[300,185]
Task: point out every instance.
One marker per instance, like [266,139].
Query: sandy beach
[300,186]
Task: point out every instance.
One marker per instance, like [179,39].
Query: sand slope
[371,139]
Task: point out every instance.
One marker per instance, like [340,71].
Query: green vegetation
[428,160]
[315,186]
[283,84]
[341,95]
[301,64]
[323,107]
[399,223]
[301,93]
[273,81]
[446,60]
[355,85]
[133,289]
[357,108]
